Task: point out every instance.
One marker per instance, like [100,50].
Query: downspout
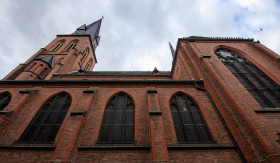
[223,122]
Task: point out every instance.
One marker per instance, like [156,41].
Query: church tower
[65,54]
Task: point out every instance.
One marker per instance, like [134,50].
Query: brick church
[219,103]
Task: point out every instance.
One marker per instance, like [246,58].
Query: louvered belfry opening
[118,121]
[262,88]
[189,123]
[46,123]
[5,99]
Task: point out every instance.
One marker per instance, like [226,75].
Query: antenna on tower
[102,17]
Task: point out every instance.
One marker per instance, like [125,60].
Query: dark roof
[119,73]
[48,60]
[92,30]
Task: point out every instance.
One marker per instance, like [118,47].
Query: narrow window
[85,53]
[189,123]
[72,45]
[5,99]
[29,77]
[87,67]
[38,69]
[118,120]
[58,45]
[262,88]
[47,122]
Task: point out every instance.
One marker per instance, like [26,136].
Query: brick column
[158,139]
[67,146]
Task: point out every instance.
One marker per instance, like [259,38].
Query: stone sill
[200,146]
[114,147]
[29,146]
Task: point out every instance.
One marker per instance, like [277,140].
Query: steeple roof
[48,60]
[92,30]
[172,50]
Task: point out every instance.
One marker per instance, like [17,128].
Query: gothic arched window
[118,120]
[58,45]
[5,99]
[89,63]
[84,54]
[261,87]
[189,123]
[46,123]
[72,45]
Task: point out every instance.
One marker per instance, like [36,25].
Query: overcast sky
[134,34]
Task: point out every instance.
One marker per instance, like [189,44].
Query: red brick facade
[241,129]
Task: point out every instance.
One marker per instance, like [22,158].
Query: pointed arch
[84,54]
[58,45]
[88,65]
[5,98]
[45,125]
[118,121]
[72,45]
[259,85]
[189,123]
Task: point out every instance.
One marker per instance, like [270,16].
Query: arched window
[85,53]
[72,45]
[58,45]
[38,68]
[118,120]
[261,87]
[46,123]
[189,123]
[5,99]
[87,67]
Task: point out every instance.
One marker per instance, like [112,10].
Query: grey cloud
[134,34]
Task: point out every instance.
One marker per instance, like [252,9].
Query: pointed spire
[155,71]
[48,60]
[92,30]
[172,50]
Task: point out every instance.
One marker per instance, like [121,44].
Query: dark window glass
[118,120]
[261,87]
[5,99]
[188,121]
[46,123]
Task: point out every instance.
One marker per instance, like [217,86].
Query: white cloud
[134,34]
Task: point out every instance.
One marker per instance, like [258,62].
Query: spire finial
[172,50]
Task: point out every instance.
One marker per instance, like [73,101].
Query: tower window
[89,63]
[118,120]
[5,99]
[262,88]
[85,53]
[46,123]
[71,46]
[58,45]
[189,123]
[38,68]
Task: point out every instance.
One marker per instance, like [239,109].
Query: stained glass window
[118,120]
[47,122]
[189,123]
[261,87]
